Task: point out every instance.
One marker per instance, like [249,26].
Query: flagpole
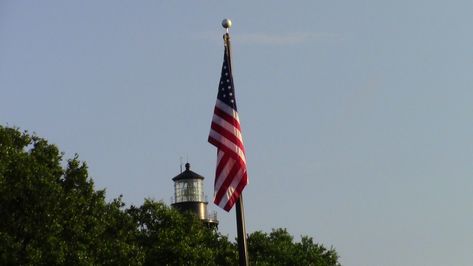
[241,229]
[240,213]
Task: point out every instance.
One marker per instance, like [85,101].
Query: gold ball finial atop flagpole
[227,23]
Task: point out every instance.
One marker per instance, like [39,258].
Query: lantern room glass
[189,190]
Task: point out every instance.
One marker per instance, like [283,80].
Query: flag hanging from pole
[225,134]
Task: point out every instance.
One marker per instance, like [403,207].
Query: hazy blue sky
[356,115]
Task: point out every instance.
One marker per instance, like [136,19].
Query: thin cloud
[284,39]
[272,39]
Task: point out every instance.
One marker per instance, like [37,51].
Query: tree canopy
[51,214]
[279,248]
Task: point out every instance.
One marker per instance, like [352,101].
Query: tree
[53,216]
[169,237]
[279,248]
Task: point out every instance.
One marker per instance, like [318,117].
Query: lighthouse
[189,196]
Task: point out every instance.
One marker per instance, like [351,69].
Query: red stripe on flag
[237,192]
[228,135]
[221,166]
[230,119]
[228,180]
[227,151]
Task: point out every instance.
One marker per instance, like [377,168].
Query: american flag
[225,134]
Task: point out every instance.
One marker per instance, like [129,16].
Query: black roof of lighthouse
[187,174]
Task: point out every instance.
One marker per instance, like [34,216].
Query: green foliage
[172,238]
[52,215]
[279,248]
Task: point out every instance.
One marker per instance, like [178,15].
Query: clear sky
[356,115]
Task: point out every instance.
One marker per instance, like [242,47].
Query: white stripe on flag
[223,174]
[229,144]
[227,109]
[229,127]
